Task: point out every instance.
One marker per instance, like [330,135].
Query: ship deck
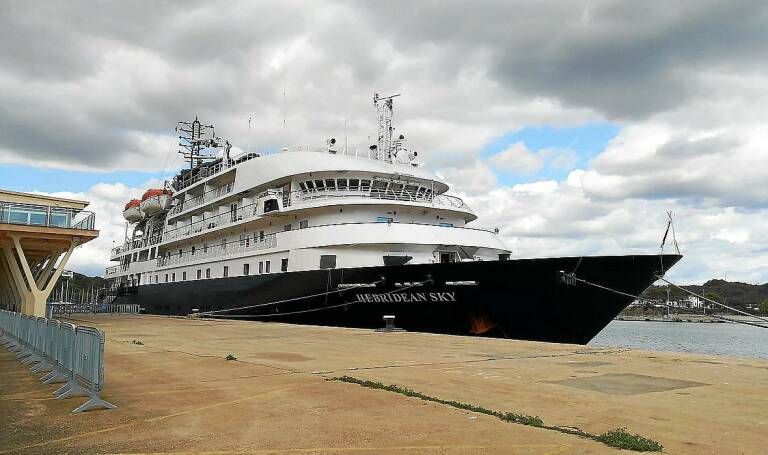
[177,394]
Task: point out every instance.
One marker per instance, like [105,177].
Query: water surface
[700,338]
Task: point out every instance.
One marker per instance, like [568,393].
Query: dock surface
[178,395]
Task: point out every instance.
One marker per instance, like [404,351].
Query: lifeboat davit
[132,212]
[155,201]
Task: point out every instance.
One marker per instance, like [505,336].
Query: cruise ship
[351,237]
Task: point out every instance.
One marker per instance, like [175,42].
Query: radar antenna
[386,147]
[195,138]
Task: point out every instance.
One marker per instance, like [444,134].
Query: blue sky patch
[587,141]
[28,178]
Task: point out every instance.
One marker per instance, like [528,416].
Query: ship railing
[71,354]
[225,249]
[214,169]
[355,152]
[116,269]
[365,153]
[262,242]
[405,196]
[249,211]
[41,215]
[119,249]
[245,212]
[202,199]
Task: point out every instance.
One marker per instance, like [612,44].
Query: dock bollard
[389,325]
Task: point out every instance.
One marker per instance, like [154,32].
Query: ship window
[261,267]
[319,184]
[180,251]
[379,186]
[287,227]
[447,257]
[183,276]
[226,271]
[166,277]
[411,190]
[395,188]
[242,239]
[330,184]
[205,247]
[207,273]
[354,184]
[152,253]
[342,184]
[310,185]
[199,274]
[270,205]
[246,269]
[266,266]
[173,276]
[365,185]
[193,250]
[284,265]
[327,261]
[303,224]
[302,186]
[223,244]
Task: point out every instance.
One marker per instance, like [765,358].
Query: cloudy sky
[571,126]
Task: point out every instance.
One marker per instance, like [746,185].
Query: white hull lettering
[408,297]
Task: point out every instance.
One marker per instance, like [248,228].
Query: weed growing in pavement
[618,438]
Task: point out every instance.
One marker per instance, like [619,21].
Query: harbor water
[700,338]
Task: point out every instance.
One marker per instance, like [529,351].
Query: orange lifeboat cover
[132,203]
[155,192]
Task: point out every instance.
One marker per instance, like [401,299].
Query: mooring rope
[710,300]
[210,313]
[643,299]
[276,302]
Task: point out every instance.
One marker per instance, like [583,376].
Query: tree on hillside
[712,296]
[764,308]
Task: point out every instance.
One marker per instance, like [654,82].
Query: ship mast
[386,146]
[195,138]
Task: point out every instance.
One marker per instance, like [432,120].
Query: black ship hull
[530,299]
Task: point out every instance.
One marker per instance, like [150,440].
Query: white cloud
[518,159]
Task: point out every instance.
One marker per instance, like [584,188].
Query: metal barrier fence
[59,309]
[71,354]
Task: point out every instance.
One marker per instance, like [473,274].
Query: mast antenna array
[387,147]
[196,137]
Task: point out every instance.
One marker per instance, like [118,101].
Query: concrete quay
[178,395]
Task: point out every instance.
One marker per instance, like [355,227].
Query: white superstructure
[299,210]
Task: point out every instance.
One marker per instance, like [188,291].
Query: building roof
[39,199]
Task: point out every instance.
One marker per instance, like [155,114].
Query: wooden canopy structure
[37,237]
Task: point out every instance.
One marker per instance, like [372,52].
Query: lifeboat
[155,201]
[132,212]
